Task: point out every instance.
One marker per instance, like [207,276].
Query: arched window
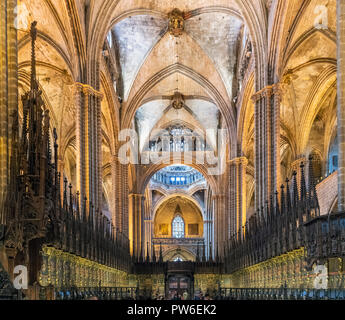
[110,39]
[178,259]
[333,156]
[178,227]
[317,166]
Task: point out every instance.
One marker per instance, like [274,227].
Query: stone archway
[189,212]
[171,254]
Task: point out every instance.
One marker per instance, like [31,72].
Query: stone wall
[327,192]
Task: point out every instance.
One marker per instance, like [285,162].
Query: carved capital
[87,90]
[218,197]
[136,196]
[267,92]
[263,93]
[239,161]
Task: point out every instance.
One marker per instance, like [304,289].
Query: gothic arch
[53,44]
[152,169]
[212,91]
[304,39]
[244,114]
[324,85]
[24,78]
[253,14]
[161,201]
[112,105]
[186,254]
[67,140]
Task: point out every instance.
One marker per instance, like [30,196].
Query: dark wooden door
[178,286]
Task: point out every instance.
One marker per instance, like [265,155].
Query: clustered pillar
[8,90]
[220,225]
[341,102]
[208,226]
[267,136]
[136,224]
[87,101]
[119,192]
[238,170]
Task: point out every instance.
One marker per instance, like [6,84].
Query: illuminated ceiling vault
[143,38]
[205,41]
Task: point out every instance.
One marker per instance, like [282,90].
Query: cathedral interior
[161,149]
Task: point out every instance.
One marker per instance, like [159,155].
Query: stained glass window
[178,227]
[178,259]
[110,39]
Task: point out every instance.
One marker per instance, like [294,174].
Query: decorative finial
[55,136]
[33,34]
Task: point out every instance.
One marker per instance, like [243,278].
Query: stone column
[276,102]
[80,158]
[114,192]
[341,102]
[207,222]
[215,232]
[148,224]
[124,200]
[148,236]
[95,145]
[98,151]
[142,225]
[8,91]
[135,222]
[232,199]
[88,132]
[241,194]
[260,160]
[219,224]
[267,146]
[117,191]
[207,236]
[239,205]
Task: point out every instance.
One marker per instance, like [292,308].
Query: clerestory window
[178,227]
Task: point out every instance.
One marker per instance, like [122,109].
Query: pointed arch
[135,103]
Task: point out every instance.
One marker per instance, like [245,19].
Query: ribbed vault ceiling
[215,35]
[208,45]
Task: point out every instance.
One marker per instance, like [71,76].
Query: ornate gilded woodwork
[62,270]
